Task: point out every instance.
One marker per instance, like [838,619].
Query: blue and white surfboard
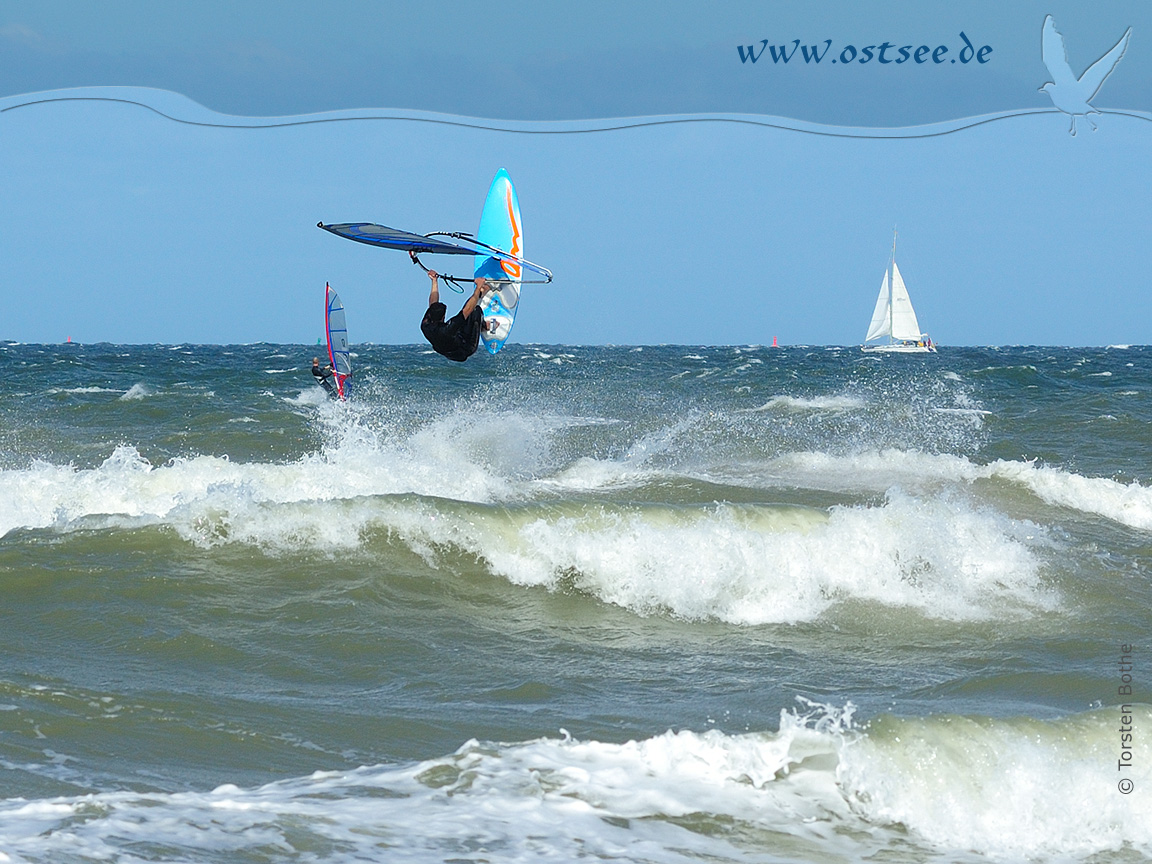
[501,229]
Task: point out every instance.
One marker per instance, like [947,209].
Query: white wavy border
[180,109]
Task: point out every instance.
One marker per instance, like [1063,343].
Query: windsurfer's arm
[481,286]
[434,296]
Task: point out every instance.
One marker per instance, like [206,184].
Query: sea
[670,604]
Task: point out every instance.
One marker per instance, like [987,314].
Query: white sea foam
[1017,789]
[942,556]
[184,490]
[311,396]
[971,412]
[591,474]
[136,391]
[927,544]
[818,789]
[743,565]
[754,565]
[816,403]
[54,390]
[461,456]
[868,471]
[1128,504]
[877,471]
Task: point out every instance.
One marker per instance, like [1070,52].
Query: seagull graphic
[1070,94]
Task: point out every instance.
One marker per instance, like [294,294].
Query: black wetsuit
[458,337]
[324,379]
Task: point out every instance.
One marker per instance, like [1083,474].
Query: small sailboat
[894,318]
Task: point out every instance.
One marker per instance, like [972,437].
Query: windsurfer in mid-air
[325,378]
[458,337]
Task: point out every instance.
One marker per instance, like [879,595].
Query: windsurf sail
[417,244]
[338,354]
[392,238]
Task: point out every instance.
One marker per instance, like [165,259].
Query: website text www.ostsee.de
[885,53]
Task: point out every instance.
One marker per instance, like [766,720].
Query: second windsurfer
[325,378]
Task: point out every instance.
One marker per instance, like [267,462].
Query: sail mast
[891,310]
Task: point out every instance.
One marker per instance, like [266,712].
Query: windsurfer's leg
[469,333]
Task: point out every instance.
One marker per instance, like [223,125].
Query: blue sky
[124,226]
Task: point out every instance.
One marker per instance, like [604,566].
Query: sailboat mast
[891,310]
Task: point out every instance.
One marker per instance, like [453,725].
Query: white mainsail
[904,323]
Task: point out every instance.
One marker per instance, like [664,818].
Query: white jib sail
[880,316]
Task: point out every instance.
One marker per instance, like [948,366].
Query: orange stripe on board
[511,268]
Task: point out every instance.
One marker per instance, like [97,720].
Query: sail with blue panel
[337,328]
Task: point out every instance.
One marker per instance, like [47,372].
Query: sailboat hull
[898,348]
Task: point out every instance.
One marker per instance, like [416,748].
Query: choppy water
[667,604]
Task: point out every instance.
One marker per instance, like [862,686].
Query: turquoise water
[650,604]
